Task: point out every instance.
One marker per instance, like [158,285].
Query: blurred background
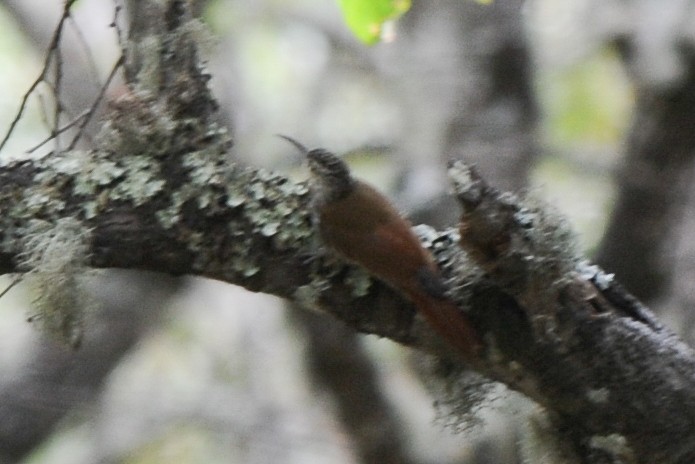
[588,104]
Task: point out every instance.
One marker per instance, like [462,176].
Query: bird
[359,223]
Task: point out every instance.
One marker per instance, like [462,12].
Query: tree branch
[617,382]
[158,194]
[561,332]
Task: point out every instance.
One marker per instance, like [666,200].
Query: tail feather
[450,323]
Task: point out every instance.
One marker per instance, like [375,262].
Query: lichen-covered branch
[617,383]
[556,329]
[159,193]
[187,213]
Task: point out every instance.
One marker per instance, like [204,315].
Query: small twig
[20,112]
[14,282]
[120,36]
[115,25]
[95,104]
[52,47]
[43,105]
[67,126]
[57,110]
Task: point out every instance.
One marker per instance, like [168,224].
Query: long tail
[449,322]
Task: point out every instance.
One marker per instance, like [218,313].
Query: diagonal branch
[579,344]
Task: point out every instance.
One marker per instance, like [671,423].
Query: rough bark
[569,332]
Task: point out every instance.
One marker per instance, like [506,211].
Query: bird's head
[330,175]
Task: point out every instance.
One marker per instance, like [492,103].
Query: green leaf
[366,18]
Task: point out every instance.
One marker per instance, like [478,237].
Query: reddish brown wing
[405,254]
[451,324]
[366,229]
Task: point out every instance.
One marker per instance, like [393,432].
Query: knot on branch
[523,243]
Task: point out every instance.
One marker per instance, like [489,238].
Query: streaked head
[330,175]
[323,163]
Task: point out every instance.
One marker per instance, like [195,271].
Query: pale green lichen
[270,203]
[70,165]
[169,217]
[244,265]
[148,50]
[235,198]
[307,297]
[134,179]
[270,228]
[294,231]
[360,282]
[598,395]
[199,33]
[595,274]
[615,445]
[459,393]
[550,240]
[257,190]
[90,209]
[248,269]
[93,174]
[104,172]
[426,234]
[38,202]
[141,183]
[202,171]
[54,260]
